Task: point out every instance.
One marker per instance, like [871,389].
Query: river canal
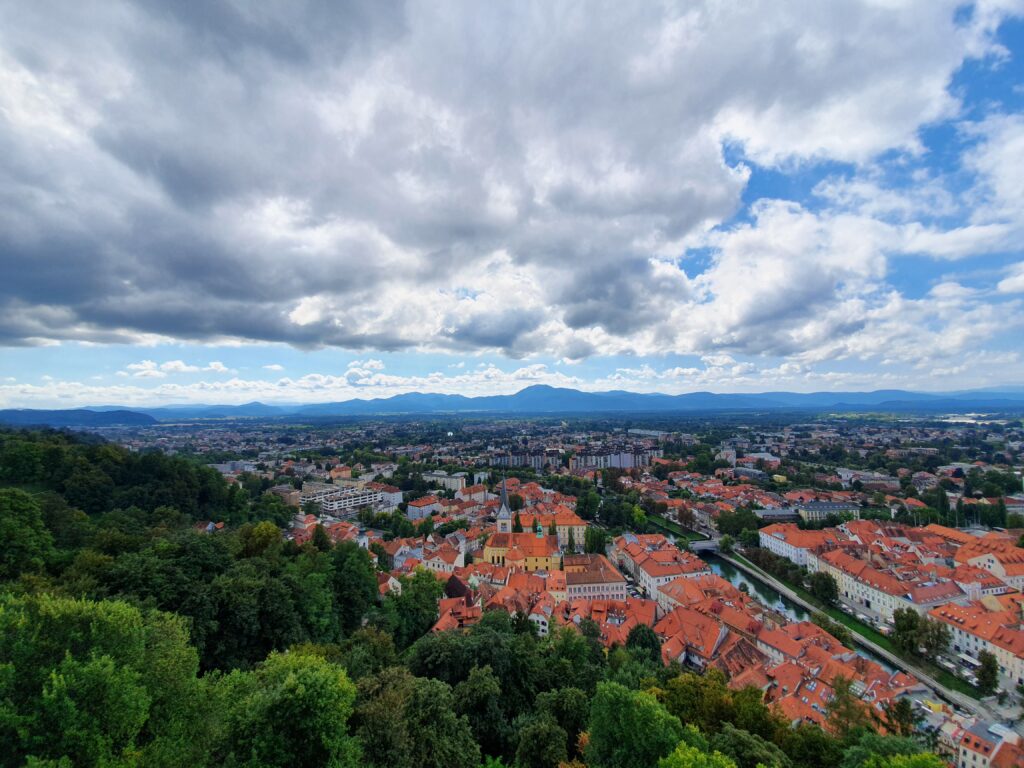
[772,598]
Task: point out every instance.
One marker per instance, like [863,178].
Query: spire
[504,511]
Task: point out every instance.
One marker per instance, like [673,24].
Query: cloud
[960,366]
[1014,281]
[150,369]
[146,369]
[380,176]
[178,366]
[273,367]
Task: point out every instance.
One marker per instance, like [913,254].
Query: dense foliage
[127,637]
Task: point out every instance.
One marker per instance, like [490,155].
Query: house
[423,507]
[444,559]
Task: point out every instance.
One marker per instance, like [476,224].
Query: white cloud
[1014,281]
[146,369]
[273,367]
[956,365]
[527,199]
[178,366]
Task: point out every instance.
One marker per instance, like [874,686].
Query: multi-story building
[993,624]
[788,541]
[350,500]
[423,507]
[453,482]
[569,527]
[592,577]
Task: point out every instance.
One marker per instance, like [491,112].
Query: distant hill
[80,417]
[543,399]
[203,411]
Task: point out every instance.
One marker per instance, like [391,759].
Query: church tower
[504,511]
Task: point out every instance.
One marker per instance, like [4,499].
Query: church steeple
[504,511]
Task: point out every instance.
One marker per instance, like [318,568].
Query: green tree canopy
[293,709]
[27,544]
[629,729]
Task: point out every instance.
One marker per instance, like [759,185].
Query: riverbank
[666,525]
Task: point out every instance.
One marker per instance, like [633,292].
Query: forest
[128,638]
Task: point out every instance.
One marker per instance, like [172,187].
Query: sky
[310,201]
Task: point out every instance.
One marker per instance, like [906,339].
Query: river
[772,598]
[764,594]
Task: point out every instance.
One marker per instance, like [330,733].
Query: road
[953,697]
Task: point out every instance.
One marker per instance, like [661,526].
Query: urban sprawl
[879,554]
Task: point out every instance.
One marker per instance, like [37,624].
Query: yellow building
[526,551]
[571,528]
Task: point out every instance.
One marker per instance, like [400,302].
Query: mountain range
[540,399]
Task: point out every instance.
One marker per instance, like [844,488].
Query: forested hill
[127,638]
[79,417]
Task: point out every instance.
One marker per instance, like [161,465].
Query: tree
[382,555]
[27,544]
[91,711]
[253,613]
[260,539]
[643,644]
[571,548]
[734,523]
[411,613]
[542,744]
[570,708]
[93,683]
[934,637]
[749,538]
[748,750]
[263,707]
[703,700]
[725,543]
[629,729]
[871,747]
[354,583]
[517,523]
[901,717]
[823,586]
[918,760]
[478,699]
[848,716]
[988,673]
[808,746]
[366,652]
[440,738]
[379,719]
[320,539]
[595,540]
[587,504]
[686,756]
[906,633]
